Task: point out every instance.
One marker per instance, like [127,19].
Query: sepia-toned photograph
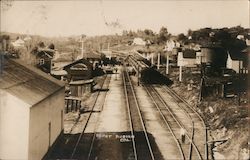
[124,79]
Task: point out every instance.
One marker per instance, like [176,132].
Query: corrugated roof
[26,82]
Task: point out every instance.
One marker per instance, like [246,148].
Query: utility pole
[82,40]
[158,61]
[109,51]
[180,73]
[167,63]
[152,59]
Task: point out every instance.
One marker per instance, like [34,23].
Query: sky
[98,17]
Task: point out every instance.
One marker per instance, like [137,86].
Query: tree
[163,35]
[149,32]
[181,37]
[51,46]
[41,44]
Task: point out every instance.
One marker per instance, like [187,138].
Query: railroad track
[141,145]
[78,152]
[189,149]
[198,129]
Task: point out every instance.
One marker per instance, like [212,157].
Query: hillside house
[43,59]
[238,60]
[31,111]
[186,58]
[18,43]
[139,41]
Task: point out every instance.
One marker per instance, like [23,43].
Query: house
[139,41]
[170,45]
[19,43]
[238,60]
[31,111]
[80,77]
[43,58]
[186,58]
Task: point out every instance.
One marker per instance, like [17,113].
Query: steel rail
[178,122]
[140,116]
[130,118]
[166,122]
[201,119]
[85,126]
[95,128]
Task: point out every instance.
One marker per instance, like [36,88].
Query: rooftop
[83,61]
[26,82]
[188,53]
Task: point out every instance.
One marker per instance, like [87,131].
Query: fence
[72,104]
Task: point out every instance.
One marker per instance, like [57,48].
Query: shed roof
[84,61]
[238,55]
[93,55]
[246,50]
[26,82]
[189,53]
[46,51]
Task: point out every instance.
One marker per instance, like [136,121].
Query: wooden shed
[237,60]
[187,58]
[79,70]
[31,111]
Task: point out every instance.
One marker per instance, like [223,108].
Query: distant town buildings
[186,58]
[18,43]
[139,41]
[237,60]
[43,58]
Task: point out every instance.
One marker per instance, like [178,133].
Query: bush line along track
[192,113]
[136,121]
[73,154]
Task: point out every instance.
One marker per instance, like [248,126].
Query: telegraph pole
[167,63]
[152,59]
[158,61]
[82,40]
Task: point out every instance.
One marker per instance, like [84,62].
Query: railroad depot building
[31,111]
[79,75]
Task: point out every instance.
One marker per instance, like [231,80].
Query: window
[41,61]
[79,67]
